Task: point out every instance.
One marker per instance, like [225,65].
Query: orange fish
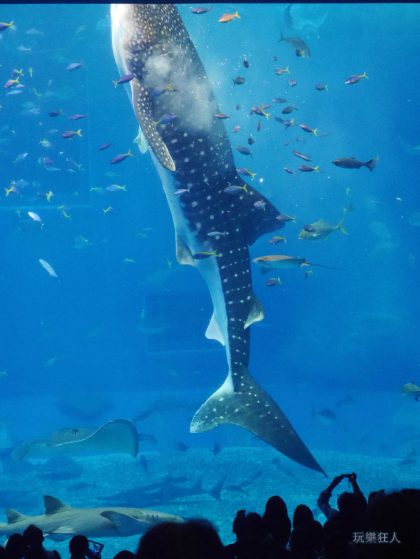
[229,17]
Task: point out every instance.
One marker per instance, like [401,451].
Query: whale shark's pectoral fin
[240,401]
[141,142]
[256,314]
[214,332]
[183,253]
[144,110]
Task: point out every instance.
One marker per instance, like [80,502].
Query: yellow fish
[411,389]
[320,229]
[225,18]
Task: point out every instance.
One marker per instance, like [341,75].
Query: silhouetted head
[159,541]
[349,503]
[195,539]
[302,515]
[202,539]
[79,545]
[254,527]
[15,547]
[276,521]
[375,495]
[33,536]
[275,506]
[124,554]
[2,552]
[238,525]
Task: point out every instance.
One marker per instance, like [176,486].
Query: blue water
[123,323]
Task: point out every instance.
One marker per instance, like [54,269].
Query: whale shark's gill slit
[242,402]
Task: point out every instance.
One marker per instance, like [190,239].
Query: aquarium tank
[210,222]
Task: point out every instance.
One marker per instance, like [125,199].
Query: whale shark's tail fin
[244,403]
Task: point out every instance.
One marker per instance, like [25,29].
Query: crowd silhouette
[386,525]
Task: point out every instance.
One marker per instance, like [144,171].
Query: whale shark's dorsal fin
[255,221]
[143,108]
[183,253]
[54,505]
[214,332]
[14,516]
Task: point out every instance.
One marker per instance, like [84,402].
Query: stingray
[118,436]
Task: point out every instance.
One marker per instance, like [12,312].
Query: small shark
[164,493]
[62,521]
[241,486]
[216,216]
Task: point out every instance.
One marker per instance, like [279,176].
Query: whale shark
[216,215]
[61,521]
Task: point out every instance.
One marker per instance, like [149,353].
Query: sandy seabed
[105,476]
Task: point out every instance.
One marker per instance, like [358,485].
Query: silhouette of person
[323,501]
[302,515]
[252,541]
[34,539]
[194,539]
[15,547]
[277,522]
[307,538]
[124,554]
[393,519]
[233,550]
[350,518]
[79,548]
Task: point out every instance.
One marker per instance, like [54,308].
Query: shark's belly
[196,214]
[191,232]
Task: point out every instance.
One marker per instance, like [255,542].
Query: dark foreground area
[383,525]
